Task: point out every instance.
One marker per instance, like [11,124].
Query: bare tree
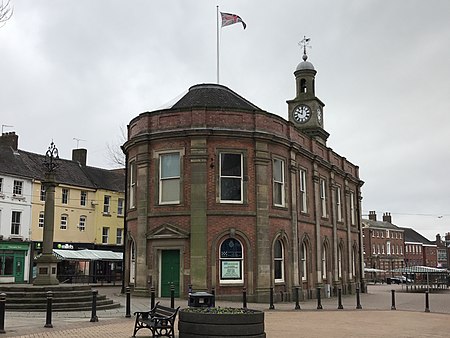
[6,12]
[115,154]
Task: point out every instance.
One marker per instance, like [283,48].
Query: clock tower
[306,110]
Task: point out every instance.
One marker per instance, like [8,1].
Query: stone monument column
[46,264]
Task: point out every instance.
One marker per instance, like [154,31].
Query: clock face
[302,113]
[319,115]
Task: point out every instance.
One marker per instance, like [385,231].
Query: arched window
[278,254]
[324,261]
[132,259]
[303,85]
[304,254]
[340,262]
[354,255]
[231,261]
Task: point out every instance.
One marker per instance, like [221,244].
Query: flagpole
[217,39]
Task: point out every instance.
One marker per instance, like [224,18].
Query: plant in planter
[217,322]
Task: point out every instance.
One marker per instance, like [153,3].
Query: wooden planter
[211,325]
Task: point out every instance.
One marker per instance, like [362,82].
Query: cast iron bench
[160,320]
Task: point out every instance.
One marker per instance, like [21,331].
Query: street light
[46,263]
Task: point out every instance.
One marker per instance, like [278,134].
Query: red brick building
[383,244]
[224,194]
[419,251]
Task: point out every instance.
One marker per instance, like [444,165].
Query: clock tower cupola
[306,109]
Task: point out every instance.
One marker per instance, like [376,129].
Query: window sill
[18,198]
[107,214]
[226,283]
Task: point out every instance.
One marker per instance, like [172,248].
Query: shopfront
[14,257]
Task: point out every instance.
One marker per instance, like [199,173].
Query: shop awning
[419,269]
[88,255]
[373,270]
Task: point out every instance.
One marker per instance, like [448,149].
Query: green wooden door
[19,271]
[170,272]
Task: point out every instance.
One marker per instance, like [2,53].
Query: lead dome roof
[213,96]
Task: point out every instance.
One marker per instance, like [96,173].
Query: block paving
[375,319]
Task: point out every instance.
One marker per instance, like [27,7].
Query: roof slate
[213,96]
[412,235]
[379,224]
[30,165]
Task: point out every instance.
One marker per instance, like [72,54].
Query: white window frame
[340,261]
[82,223]
[42,193]
[303,196]
[17,188]
[64,222]
[168,179]
[119,236]
[106,204]
[279,260]
[352,208]
[324,261]
[388,248]
[353,262]
[240,177]
[132,192]
[120,206]
[105,235]
[64,196]
[16,222]
[83,197]
[323,198]
[338,204]
[41,219]
[278,182]
[304,262]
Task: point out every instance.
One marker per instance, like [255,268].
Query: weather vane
[50,158]
[305,43]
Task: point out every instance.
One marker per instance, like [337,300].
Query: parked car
[398,280]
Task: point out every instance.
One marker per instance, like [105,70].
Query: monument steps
[64,298]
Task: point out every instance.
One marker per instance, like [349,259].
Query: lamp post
[46,264]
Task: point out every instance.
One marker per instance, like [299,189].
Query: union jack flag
[230,19]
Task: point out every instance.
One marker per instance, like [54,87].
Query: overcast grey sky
[83,69]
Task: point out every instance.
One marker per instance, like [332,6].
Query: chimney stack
[387,217]
[372,215]
[10,139]
[438,239]
[80,156]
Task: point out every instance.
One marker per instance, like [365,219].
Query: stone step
[64,298]
[78,306]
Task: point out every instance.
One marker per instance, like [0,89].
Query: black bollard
[427,302]
[244,298]
[297,305]
[271,306]
[340,306]
[319,300]
[94,317]
[358,301]
[213,292]
[2,312]
[128,305]
[152,297]
[48,318]
[172,296]
[393,300]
